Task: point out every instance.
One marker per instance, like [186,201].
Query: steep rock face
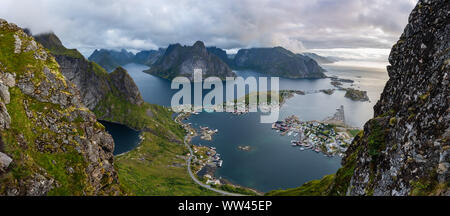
[51,144]
[182,60]
[222,54]
[87,76]
[92,80]
[278,61]
[126,86]
[406,148]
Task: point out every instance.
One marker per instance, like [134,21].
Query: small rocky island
[356,95]
[245,148]
[351,93]
[207,133]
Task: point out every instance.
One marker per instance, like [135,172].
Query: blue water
[273,163]
[125,138]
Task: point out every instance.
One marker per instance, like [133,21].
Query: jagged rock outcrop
[126,86]
[92,80]
[278,61]
[5,161]
[182,60]
[51,144]
[405,149]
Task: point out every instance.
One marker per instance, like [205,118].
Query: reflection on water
[273,163]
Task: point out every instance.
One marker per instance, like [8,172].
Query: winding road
[224,193]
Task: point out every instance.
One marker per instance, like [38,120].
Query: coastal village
[330,137]
[205,163]
[205,160]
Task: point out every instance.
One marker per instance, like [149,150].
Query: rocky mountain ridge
[51,144]
[92,80]
[275,61]
[405,148]
[111,59]
[182,60]
[278,61]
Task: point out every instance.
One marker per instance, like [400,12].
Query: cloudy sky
[362,30]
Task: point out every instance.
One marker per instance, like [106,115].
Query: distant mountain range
[111,59]
[278,61]
[181,60]
[321,59]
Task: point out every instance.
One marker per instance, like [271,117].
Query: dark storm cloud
[136,24]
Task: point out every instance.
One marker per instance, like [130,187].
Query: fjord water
[273,163]
[125,138]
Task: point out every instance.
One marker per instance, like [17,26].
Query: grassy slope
[27,160]
[156,167]
[155,175]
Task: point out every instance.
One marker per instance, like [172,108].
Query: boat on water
[290,133]
[303,149]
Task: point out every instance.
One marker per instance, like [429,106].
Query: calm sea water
[273,163]
[125,138]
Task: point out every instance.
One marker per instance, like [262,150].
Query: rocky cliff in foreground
[182,60]
[405,148]
[50,143]
[114,97]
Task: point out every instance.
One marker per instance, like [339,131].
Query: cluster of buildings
[314,135]
[211,180]
[206,161]
[207,133]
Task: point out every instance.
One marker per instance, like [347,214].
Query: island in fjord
[178,60]
[182,60]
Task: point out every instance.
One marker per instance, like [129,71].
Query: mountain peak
[278,61]
[182,60]
[49,39]
[199,44]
